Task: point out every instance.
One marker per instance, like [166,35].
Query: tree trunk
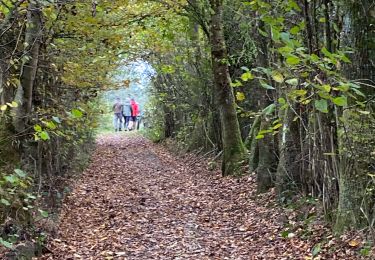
[233,148]
[266,147]
[356,202]
[252,144]
[29,67]
[267,160]
[288,170]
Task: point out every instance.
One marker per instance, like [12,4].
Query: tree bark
[252,144]
[356,202]
[24,94]
[233,148]
[288,170]
[266,165]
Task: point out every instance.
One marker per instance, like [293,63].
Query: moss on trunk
[234,151]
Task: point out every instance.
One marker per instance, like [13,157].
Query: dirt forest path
[138,201]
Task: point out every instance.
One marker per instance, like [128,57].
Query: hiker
[127,113]
[117,114]
[135,112]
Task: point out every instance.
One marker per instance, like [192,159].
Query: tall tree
[24,94]
[234,151]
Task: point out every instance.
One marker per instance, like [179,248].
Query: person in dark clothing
[117,114]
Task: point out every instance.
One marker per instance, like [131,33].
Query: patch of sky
[133,81]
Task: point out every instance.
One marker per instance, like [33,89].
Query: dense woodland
[282,88]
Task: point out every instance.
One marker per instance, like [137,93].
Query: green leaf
[326,88]
[263,33]
[262,132]
[51,125]
[363,112]
[316,249]
[77,113]
[284,234]
[246,76]
[236,84]
[293,60]
[286,50]
[292,4]
[285,36]
[343,87]
[5,202]
[43,213]
[20,173]
[278,77]
[37,128]
[240,96]
[295,30]
[259,137]
[326,52]
[365,251]
[168,69]
[324,95]
[265,85]
[275,34]
[277,126]
[56,119]
[321,105]
[314,57]
[282,101]
[5,243]
[44,135]
[11,178]
[344,58]
[3,107]
[340,101]
[299,92]
[269,110]
[293,82]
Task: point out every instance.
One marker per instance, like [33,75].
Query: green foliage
[316,249]
[17,202]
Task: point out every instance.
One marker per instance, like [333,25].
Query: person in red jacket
[135,112]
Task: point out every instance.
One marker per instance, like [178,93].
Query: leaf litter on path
[138,201]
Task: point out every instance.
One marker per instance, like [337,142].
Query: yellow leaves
[354,243]
[15,82]
[4,107]
[246,76]
[278,77]
[240,96]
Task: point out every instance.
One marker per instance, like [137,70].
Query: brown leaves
[138,201]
